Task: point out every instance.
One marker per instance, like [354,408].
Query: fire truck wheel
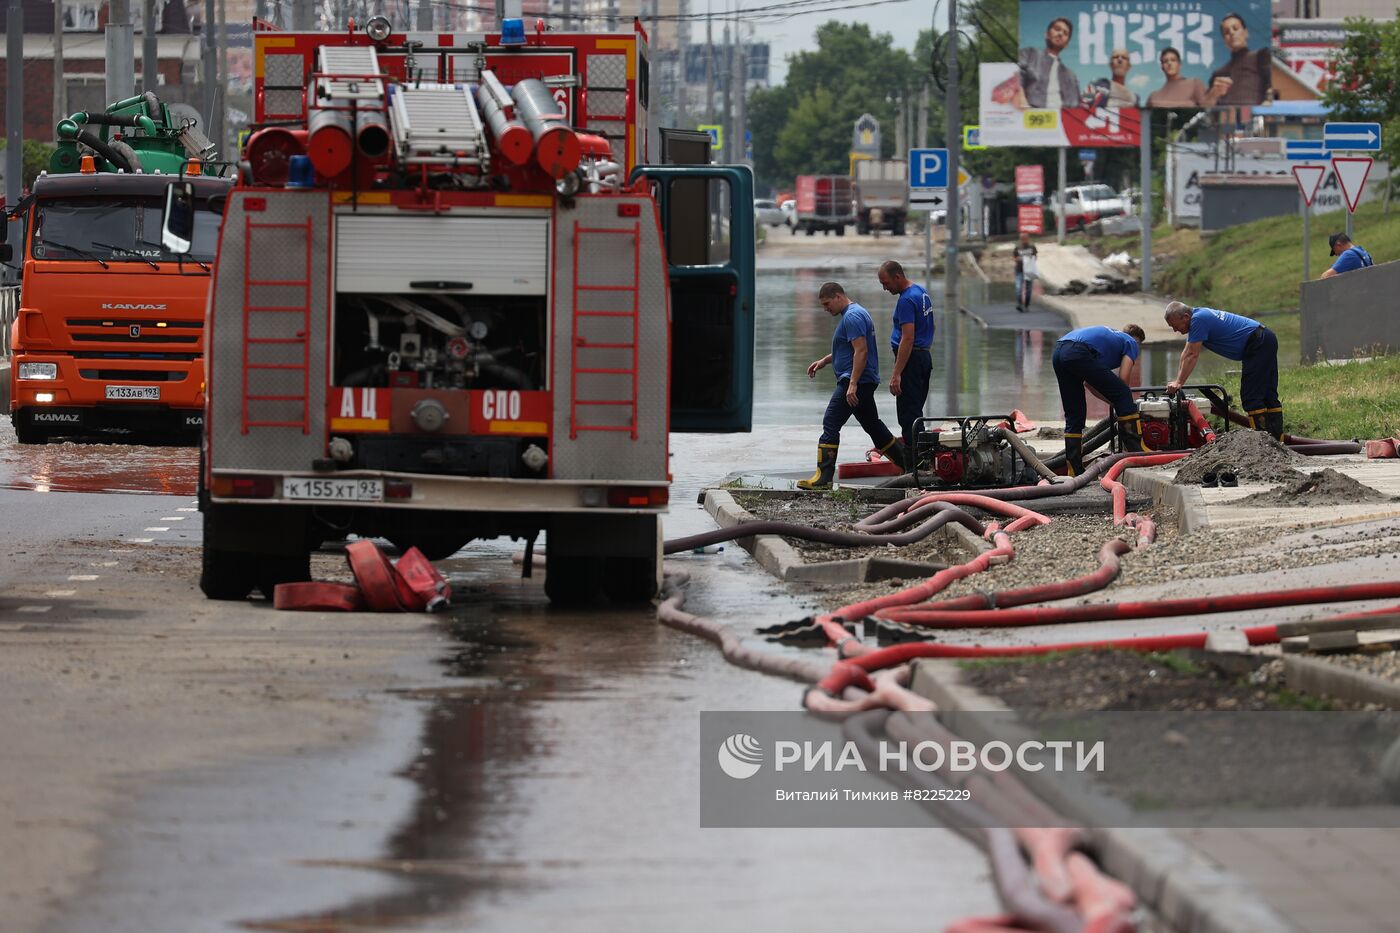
[573,581]
[28,434]
[629,579]
[227,575]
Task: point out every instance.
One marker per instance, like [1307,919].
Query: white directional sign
[928,199]
[1308,178]
[1364,137]
[1352,172]
[1305,150]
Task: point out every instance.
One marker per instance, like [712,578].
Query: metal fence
[9,309]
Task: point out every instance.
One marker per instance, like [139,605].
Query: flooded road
[536,769]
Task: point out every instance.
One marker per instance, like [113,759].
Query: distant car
[768,214]
[1085,204]
[789,209]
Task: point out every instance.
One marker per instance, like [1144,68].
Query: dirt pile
[1324,487]
[1254,457]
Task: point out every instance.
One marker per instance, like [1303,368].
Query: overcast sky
[787,37]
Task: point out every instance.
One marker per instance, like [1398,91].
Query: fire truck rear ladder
[582,344]
[301,338]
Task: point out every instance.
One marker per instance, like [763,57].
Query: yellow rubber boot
[1074,454]
[826,469]
[1130,434]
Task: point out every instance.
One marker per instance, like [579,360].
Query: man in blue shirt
[1234,337]
[857,365]
[1102,359]
[1349,256]
[910,339]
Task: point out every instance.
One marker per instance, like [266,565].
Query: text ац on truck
[109,335]
[453,301]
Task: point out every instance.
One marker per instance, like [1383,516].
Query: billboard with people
[1163,54]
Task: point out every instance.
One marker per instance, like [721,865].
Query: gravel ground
[838,513]
[1382,663]
[1069,546]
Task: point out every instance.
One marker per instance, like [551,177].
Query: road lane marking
[33,608]
[173,518]
[82,577]
[185,509]
[59,594]
[103,563]
[140,540]
[157,528]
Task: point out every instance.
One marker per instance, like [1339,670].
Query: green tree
[1366,79]
[812,141]
[36,159]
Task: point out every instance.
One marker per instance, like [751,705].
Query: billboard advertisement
[1007,119]
[1030,198]
[1306,48]
[1163,54]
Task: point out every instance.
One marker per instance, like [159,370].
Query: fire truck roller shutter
[496,254]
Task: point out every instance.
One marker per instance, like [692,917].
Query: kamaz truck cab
[109,331]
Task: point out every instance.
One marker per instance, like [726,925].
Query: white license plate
[333,490]
[143,393]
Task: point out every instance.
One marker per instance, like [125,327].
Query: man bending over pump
[1234,337]
[1088,357]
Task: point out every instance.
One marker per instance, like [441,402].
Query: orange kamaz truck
[109,333]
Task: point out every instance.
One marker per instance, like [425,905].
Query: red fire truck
[453,301]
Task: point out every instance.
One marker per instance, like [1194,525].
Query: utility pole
[1060,201]
[709,64]
[683,54]
[954,134]
[211,68]
[221,107]
[741,92]
[1145,181]
[901,144]
[425,16]
[727,122]
[14,112]
[121,52]
[60,86]
[923,118]
[150,64]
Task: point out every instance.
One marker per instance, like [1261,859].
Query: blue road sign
[1354,136]
[1087,155]
[1305,150]
[928,168]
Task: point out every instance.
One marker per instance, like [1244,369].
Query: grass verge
[1257,267]
[1338,402]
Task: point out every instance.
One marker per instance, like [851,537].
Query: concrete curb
[785,562]
[1190,506]
[1312,675]
[1188,891]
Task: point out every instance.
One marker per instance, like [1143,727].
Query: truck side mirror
[177,229]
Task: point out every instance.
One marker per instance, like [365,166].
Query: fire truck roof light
[512,32]
[300,173]
[378,28]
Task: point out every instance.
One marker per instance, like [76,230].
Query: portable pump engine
[974,452]
[1177,422]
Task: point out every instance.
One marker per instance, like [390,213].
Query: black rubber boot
[1130,434]
[894,453]
[1273,423]
[826,469]
[1074,454]
[1258,419]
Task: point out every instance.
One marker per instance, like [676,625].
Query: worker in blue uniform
[857,364]
[1234,337]
[910,340]
[1350,257]
[1102,359]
